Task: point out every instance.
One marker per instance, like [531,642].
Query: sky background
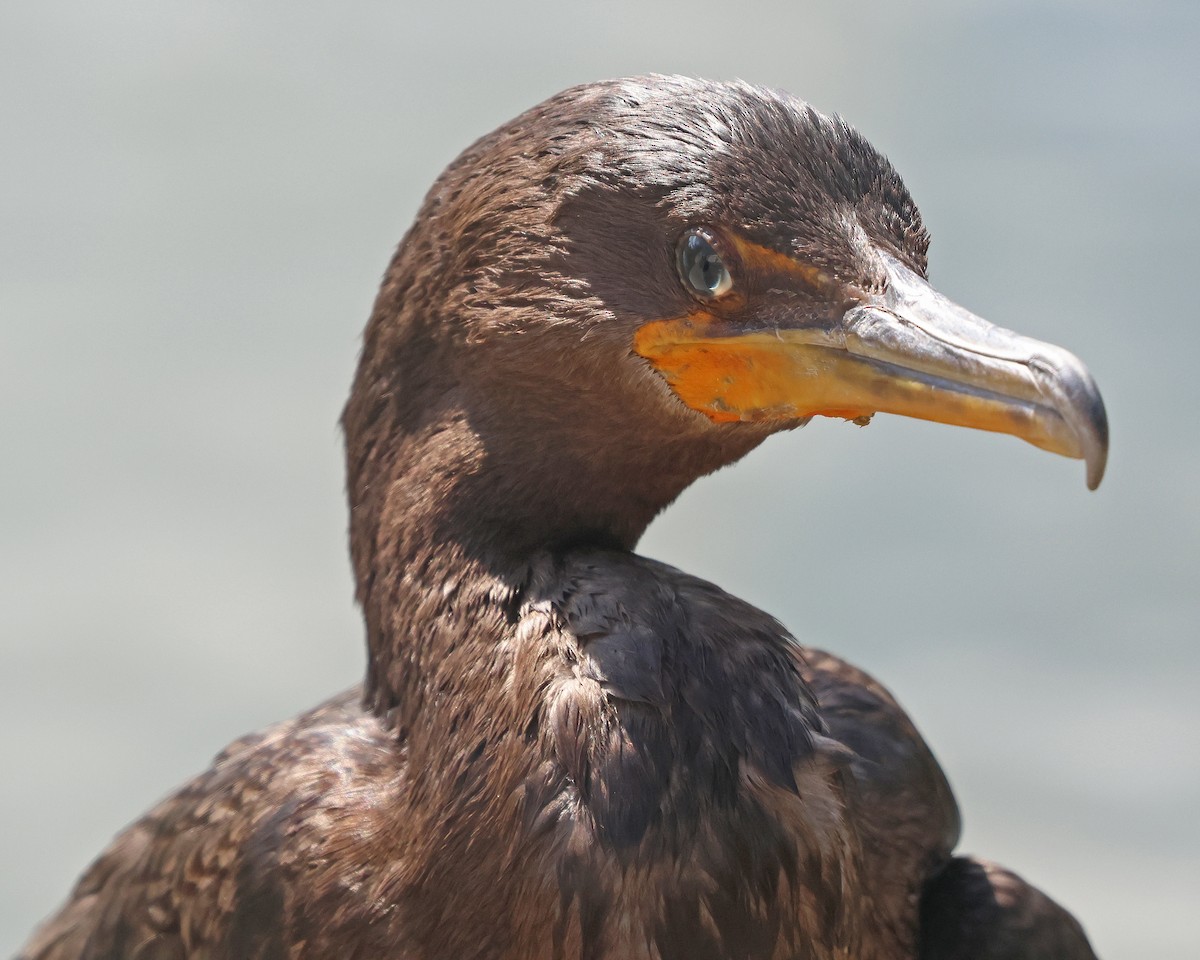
[197,202]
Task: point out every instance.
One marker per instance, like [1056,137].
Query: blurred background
[196,204]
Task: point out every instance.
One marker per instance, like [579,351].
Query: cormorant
[563,749]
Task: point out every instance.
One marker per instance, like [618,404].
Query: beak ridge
[977,374]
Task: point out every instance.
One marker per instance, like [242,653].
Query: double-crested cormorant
[563,749]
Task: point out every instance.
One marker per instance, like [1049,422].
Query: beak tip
[1095,443]
[1097,459]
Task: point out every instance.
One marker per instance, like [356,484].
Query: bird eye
[700,266]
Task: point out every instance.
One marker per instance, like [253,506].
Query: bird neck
[447,516]
[452,504]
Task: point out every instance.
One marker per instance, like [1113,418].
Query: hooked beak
[907,350]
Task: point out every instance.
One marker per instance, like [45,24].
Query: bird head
[635,282]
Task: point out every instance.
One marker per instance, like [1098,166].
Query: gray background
[197,200]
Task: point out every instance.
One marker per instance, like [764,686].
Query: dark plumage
[563,749]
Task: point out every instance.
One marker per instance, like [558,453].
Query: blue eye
[700,266]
